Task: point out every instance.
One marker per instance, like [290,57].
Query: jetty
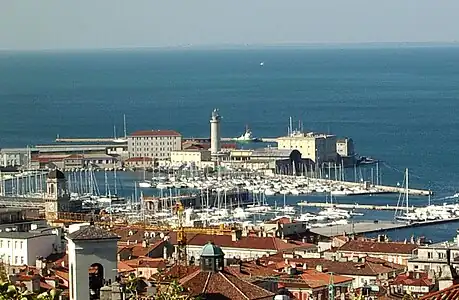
[368,227]
[111,140]
[353,206]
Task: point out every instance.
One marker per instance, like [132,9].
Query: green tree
[9,291]
[173,291]
[50,295]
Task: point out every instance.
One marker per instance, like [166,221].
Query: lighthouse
[215,133]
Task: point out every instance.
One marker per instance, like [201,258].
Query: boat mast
[406,190]
[125,128]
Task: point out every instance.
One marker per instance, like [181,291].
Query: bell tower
[57,196]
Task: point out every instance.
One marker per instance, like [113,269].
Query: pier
[354,206]
[111,140]
[373,227]
[367,189]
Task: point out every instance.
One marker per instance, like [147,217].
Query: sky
[89,24]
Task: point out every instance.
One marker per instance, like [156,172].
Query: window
[16,261]
[8,244]
[20,244]
[429,255]
[22,260]
[1,243]
[15,244]
[441,255]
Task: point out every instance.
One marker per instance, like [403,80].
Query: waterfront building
[16,156]
[196,157]
[345,147]
[315,146]
[283,161]
[417,284]
[157,144]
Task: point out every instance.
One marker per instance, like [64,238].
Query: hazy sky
[60,24]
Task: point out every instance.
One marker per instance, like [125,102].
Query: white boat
[246,137]
[145,184]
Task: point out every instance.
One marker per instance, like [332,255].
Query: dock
[373,227]
[111,140]
[377,189]
[353,206]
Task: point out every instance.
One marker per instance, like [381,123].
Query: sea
[399,103]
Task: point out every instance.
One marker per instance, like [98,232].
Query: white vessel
[246,137]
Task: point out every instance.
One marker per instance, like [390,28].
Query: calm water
[399,104]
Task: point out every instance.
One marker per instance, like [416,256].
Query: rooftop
[223,285]
[378,247]
[56,174]
[92,232]
[142,133]
[450,293]
[22,234]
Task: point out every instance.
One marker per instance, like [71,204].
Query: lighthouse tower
[215,133]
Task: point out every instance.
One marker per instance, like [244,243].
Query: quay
[22,202]
[367,188]
[353,206]
[111,140]
[367,227]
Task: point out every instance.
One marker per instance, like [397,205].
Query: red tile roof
[156,133]
[451,293]
[378,247]
[146,263]
[245,242]
[413,279]
[316,279]
[136,159]
[223,285]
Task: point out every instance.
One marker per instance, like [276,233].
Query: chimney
[362,260]
[417,275]
[144,244]
[304,239]
[128,242]
[319,268]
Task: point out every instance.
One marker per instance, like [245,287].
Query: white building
[317,147]
[15,156]
[157,144]
[190,157]
[345,147]
[20,248]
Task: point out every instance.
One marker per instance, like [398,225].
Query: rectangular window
[429,255]
[16,261]
[15,244]
[22,260]
[8,244]
[1,243]
[20,244]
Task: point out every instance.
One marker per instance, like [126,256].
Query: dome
[56,174]
[211,250]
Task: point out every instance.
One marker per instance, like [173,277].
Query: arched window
[96,280]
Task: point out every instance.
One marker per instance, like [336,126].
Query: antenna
[291,125]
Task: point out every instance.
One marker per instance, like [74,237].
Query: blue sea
[400,104]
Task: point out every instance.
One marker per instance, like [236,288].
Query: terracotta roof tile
[92,232]
[315,279]
[136,159]
[223,285]
[450,293]
[378,247]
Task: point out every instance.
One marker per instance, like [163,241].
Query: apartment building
[156,144]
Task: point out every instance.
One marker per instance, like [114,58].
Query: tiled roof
[92,232]
[56,174]
[413,279]
[223,285]
[146,263]
[378,247]
[451,293]
[136,159]
[337,267]
[156,133]
[315,279]
[123,267]
[245,242]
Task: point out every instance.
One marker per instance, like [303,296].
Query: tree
[50,295]
[173,291]
[9,291]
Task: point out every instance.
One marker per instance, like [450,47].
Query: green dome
[211,250]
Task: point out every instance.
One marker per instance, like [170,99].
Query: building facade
[16,156]
[157,144]
[345,147]
[317,147]
[190,156]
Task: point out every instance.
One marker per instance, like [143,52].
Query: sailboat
[399,214]
[145,183]
[121,140]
